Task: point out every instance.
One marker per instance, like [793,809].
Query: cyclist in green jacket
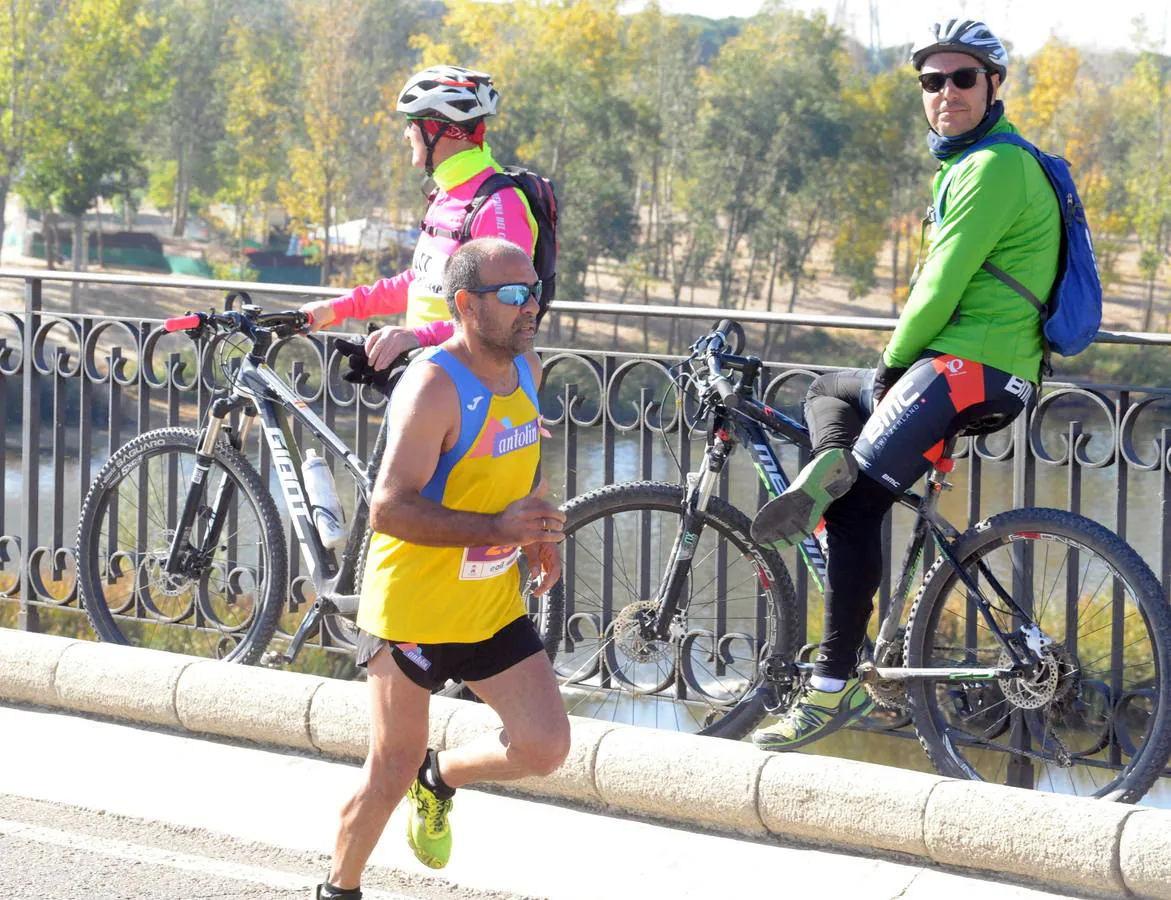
[966,355]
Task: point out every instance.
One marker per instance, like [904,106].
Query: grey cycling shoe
[792,516]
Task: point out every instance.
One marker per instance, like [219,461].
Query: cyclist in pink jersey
[445,107]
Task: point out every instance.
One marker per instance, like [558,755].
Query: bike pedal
[275,660]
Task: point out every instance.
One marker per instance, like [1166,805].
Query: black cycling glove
[885,378]
[360,371]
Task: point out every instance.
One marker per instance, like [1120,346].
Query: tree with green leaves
[770,118]
[1143,110]
[320,165]
[22,70]
[191,120]
[96,98]
[255,75]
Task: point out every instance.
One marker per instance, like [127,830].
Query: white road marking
[204,865]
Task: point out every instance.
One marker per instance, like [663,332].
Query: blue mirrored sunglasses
[511,294]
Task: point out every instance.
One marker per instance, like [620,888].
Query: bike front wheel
[738,610]
[227,601]
[1092,719]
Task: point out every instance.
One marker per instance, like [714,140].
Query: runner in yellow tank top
[452,508]
[460,594]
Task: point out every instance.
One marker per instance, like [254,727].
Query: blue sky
[1026,23]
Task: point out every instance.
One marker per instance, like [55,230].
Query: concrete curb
[1097,848]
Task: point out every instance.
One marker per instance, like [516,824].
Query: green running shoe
[789,518]
[813,715]
[428,832]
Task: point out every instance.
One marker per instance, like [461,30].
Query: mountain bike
[180,544]
[1037,649]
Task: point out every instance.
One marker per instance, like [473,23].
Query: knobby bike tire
[1076,700]
[738,715]
[242,642]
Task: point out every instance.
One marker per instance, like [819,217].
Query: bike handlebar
[248,320]
[183,323]
[719,381]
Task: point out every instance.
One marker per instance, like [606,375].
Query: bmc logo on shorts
[897,401]
[1020,388]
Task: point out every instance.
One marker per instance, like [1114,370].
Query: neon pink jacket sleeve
[385,297]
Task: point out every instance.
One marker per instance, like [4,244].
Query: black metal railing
[74,388]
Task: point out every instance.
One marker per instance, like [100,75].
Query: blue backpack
[1074,309]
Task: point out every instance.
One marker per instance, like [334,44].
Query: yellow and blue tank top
[432,595]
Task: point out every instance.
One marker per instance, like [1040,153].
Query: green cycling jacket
[1000,207]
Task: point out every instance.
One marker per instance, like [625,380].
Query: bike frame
[259,392]
[748,423]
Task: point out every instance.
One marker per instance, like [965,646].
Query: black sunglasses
[964,79]
[511,294]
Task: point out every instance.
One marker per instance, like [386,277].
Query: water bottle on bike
[327,508]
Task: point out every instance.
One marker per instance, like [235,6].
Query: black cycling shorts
[938,397]
[431,666]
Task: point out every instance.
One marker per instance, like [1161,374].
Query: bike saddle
[985,424]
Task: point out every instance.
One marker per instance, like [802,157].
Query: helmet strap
[429,167]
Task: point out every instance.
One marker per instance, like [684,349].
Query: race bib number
[487,562]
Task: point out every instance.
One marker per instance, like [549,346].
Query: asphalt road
[92,809]
[60,851]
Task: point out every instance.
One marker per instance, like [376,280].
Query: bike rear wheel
[1093,720]
[738,610]
[227,605]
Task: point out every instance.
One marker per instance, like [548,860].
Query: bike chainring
[889,693]
[628,634]
[1035,691]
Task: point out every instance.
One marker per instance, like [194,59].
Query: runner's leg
[398,743]
[535,737]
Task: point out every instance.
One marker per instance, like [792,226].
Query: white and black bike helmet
[963,36]
[450,93]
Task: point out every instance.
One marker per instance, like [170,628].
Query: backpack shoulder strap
[1003,277]
[497,181]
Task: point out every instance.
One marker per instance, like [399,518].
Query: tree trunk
[748,280]
[78,239]
[894,264]
[730,245]
[1150,311]
[646,320]
[127,212]
[4,182]
[909,230]
[182,192]
[774,264]
[49,232]
[654,237]
[325,244]
[101,242]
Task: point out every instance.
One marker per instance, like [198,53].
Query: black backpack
[542,197]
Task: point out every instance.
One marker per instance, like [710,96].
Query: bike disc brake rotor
[1035,691]
[629,640]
